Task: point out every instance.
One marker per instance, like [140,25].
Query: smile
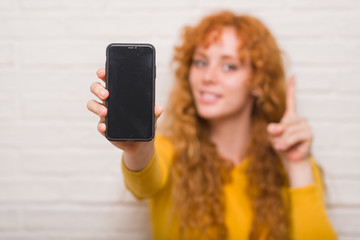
[208,97]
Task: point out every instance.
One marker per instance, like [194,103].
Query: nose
[210,75]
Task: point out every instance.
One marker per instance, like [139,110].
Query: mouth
[209,97]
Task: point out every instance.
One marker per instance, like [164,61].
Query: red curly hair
[198,173]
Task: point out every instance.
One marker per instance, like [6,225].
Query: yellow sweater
[308,214]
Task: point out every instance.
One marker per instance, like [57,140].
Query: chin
[210,115]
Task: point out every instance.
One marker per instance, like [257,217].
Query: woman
[233,160]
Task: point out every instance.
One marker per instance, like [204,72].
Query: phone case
[130,46]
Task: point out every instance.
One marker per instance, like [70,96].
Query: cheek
[237,84]
[238,88]
[193,77]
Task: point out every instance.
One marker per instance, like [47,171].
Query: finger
[290,97]
[158,111]
[99,91]
[275,129]
[292,140]
[101,73]
[101,128]
[290,120]
[97,108]
[300,126]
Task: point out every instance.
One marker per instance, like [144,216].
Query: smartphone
[130,80]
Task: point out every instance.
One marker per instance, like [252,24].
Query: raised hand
[292,137]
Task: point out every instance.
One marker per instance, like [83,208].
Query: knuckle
[99,110]
[88,104]
[93,87]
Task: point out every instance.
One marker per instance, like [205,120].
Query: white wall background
[61,180]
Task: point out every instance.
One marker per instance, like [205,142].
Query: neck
[231,136]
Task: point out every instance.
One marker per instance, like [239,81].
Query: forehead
[225,39]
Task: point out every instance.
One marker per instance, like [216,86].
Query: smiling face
[219,80]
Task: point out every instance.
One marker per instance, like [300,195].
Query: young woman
[233,158]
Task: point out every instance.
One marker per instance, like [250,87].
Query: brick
[31,235]
[8,5]
[167,25]
[6,56]
[243,6]
[345,221]
[95,190]
[347,81]
[325,107]
[111,26]
[9,162]
[41,190]
[326,4]
[9,108]
[56,106]
[108,219]
[128,197]
[29,26]
[18,236]
[51,134]
[338,164]
[325,135]
[345,21]
[156,5]
[350,136]
[344,237]
[323,52]
[315,80]
[10,82]
[11,135]
[71,161]
[43,5]
[60,54]
[343,192]
[164,83]
[289,24]
[9,220]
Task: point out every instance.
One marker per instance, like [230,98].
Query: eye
[199,63]
[230,67]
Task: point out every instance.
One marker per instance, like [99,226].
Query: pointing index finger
[290,96]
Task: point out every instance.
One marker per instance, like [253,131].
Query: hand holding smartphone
[130,80]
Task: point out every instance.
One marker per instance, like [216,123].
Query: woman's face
[219,81]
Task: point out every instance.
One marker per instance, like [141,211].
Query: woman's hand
[292,138]
[131,148]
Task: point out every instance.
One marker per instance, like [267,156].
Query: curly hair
[198,172]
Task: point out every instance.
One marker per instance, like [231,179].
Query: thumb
[158,111]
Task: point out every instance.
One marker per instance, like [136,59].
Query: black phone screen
[130,77]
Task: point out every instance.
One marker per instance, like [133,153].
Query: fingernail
[100,73]
[103,93]
[273,128]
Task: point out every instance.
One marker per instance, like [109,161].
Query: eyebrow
[224,56]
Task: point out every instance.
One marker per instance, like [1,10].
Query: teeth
[209,96]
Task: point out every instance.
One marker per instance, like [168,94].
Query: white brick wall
[61,180]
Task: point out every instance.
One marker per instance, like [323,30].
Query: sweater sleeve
[147,182]
[308,212]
